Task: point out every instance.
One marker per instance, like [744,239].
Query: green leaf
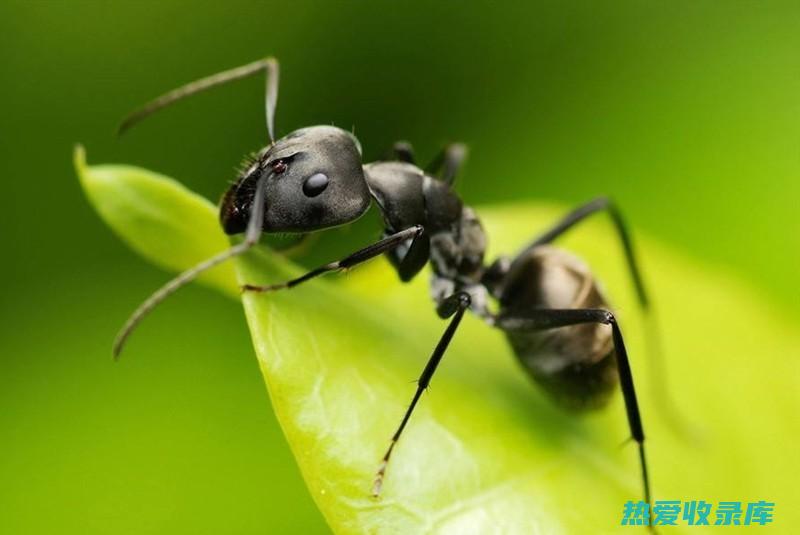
[157,217]
[485,451]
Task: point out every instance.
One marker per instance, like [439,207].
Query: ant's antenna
[268,65]
[251,238]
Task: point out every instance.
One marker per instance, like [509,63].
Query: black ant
[550,307]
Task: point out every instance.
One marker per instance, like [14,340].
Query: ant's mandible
[550,306]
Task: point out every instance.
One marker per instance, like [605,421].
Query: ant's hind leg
[658,374]
[581,213]
[541,319]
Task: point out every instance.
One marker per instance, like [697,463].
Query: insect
[548,303]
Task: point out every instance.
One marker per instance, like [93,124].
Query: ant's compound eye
[279,166]
[315,184]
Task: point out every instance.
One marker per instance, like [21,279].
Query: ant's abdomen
[575,365]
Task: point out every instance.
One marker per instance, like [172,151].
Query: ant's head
[313,180]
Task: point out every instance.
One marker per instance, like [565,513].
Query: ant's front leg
[541,319]
[453,306]
[362,255]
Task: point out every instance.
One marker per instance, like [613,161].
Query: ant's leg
[267,65]
[658,375]
[447,163]
[581,213]
[540,319]
[455,306]
[362,255]
[403,151]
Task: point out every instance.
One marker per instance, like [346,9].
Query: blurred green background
[688,113]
